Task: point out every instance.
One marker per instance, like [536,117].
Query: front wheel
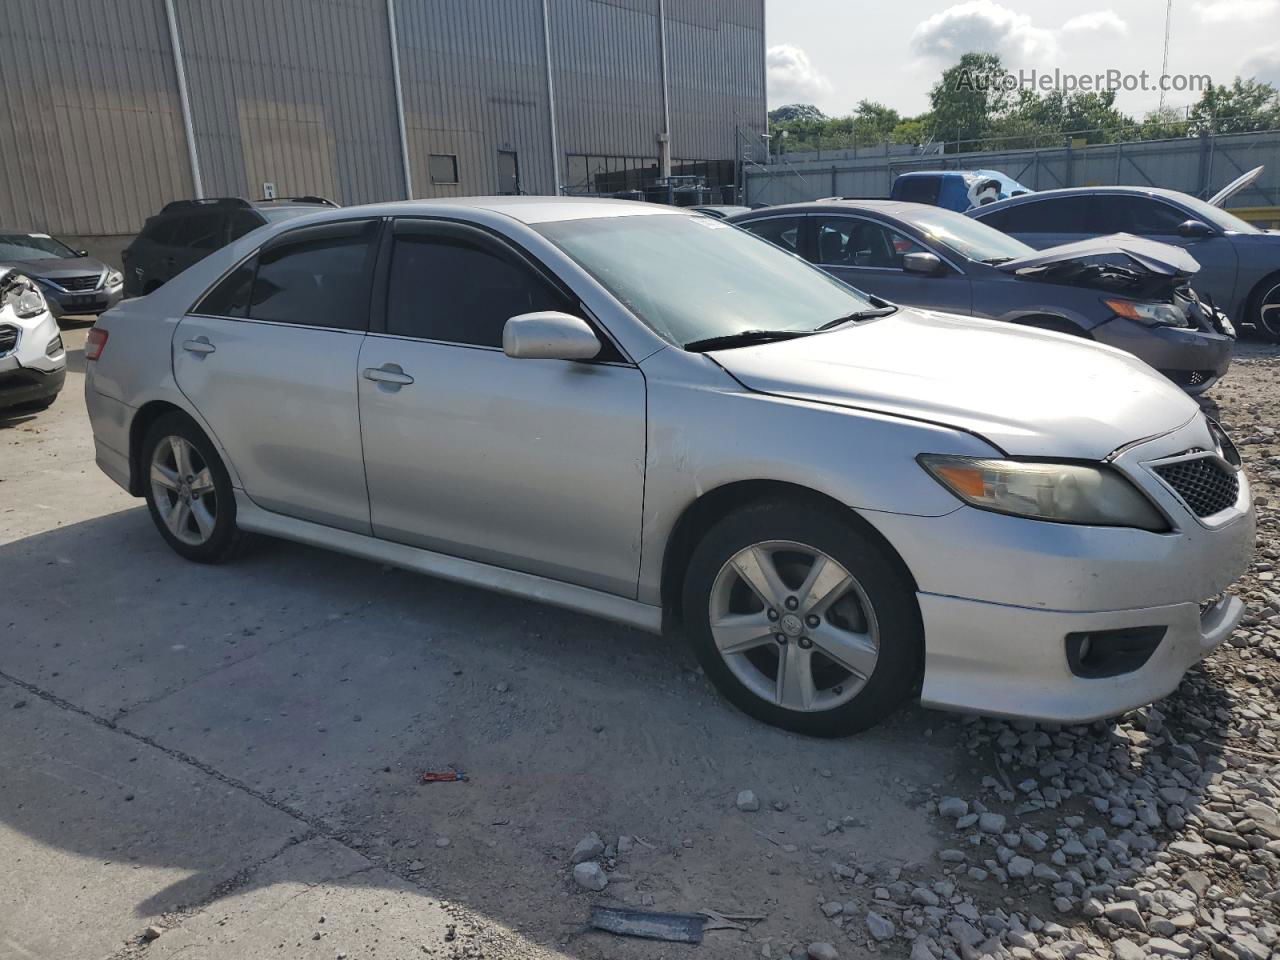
[188,491]
[1265,310]
[802,619]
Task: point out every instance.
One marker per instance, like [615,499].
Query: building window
[443,168]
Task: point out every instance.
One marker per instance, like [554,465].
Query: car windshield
[694,278]
[968,237]
[33,246]
[1216,216]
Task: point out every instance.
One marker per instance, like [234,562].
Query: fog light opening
[1110,653]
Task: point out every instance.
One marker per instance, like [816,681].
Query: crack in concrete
[317,828]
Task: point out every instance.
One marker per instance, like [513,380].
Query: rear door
[269,359]
[535,465]
[867,254]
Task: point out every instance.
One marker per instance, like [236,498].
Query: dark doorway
[508,172]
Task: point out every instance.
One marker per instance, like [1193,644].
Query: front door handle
[389,373]
[200,346]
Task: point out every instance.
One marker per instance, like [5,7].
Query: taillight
[95,343]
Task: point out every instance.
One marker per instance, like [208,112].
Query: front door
[535,465]
[508,172]
[867,254]
[269,357]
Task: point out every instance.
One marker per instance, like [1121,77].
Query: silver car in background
[652,416]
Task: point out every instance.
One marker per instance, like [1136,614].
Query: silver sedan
[658,418]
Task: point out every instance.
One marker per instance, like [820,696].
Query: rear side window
[447,288]
[319,276]
[162,230]
[1054,215]
[230,298]
[780,231]
[917,189]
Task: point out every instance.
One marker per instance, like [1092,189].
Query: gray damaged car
[1125,291]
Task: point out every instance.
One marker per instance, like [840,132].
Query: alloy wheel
[183,492]
[794,626]
[1269,313]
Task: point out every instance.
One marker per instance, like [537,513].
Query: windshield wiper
[996,261]
[743,338]
[860,315]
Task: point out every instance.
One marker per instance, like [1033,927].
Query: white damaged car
[33,362]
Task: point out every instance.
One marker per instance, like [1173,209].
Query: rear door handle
[200,345]
[389,373]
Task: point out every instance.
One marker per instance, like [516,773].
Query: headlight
[1225,447]
[24,297]
[1061,492]
[114,278]
[1151,314]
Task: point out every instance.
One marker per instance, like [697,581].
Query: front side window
[1144,216]
[854,242]
[33,246]
[446,288]
[320,278]
[690,278]
[781,231]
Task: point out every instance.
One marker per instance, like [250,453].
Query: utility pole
[1164,63]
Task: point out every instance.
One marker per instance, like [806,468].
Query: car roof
[1080,192]
[891,208]
[525,209]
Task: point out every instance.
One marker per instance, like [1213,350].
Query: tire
[34,406]
[874,622]
[1264,309]
[205,529]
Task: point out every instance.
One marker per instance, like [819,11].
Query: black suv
[187,231]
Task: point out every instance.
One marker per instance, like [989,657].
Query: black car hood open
[1149,257]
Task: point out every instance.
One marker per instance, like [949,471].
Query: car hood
[1029,392]
[1149,257]
[56,268]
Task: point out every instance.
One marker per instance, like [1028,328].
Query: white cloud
[1097,22]
[1264,65]
[982,26]
[791,77]
[1236,11]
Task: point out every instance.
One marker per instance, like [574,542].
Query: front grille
[1205,485]
[79,284]
[8,340]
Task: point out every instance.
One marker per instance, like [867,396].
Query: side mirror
[925,263]
[1196,229]
[549,335]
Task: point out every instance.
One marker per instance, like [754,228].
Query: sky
[833,53]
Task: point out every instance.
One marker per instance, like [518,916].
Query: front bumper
[1000,595]
[24,385]
[90,303]
[1011,661]
[1192,358]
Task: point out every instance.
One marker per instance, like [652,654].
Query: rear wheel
[1264,309]
[188,491]
[801,619]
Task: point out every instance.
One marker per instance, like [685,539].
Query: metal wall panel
[474,78]
[90,120]
[295,92]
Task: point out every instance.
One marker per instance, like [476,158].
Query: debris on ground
[443,776]
[590,876]
[675,927]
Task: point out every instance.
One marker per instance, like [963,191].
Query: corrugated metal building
[361,100]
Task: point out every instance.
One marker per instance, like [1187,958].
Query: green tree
[795,113]
[873,122]
[1244,106]
[969,98]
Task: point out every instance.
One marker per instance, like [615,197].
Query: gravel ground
[1154,835]
[300,716]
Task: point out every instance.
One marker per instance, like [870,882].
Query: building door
[508,172]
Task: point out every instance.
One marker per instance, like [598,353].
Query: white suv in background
[33,362]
